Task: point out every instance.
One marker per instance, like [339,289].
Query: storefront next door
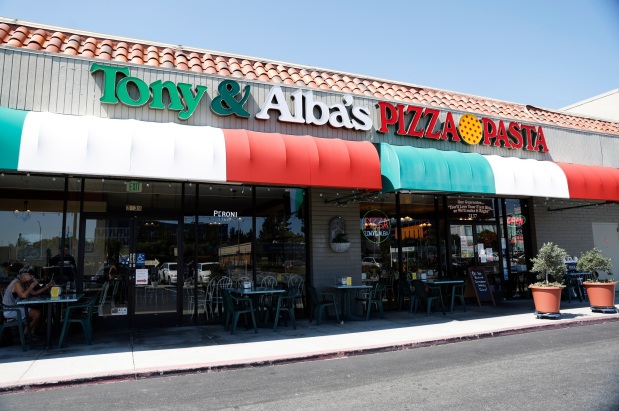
[474,245]
[114,248]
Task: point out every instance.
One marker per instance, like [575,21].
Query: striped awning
[87,145]
[423,169]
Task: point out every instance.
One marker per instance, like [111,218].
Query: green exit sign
[134,187]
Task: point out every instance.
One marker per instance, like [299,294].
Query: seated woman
[22,287]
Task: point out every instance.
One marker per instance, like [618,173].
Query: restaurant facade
[134,154]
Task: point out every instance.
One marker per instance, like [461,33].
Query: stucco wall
[571,228]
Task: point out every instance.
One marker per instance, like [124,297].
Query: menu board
[480,284]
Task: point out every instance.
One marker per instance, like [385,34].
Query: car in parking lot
[168,273]
[370,262]
[205,270]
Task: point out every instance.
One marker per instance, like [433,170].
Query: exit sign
[134,187]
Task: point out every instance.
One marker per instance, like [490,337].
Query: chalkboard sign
[480,284]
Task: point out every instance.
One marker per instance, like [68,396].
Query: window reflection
[280,232]
[31,210]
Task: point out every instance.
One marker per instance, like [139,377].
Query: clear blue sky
[547,53]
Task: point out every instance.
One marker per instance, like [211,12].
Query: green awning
[428,169]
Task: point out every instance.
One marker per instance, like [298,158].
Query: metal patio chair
[22,324]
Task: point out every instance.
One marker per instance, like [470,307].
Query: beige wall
[327,264]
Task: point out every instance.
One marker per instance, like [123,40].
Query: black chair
[80,313]
[429,294]
[234,307]
[405,291]
[285,303]
[373,297]
[457,290]
[320,303]
[573,287]
[17,322]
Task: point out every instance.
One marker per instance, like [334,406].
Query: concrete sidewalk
[140,353]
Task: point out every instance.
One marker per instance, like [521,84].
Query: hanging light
[24,214]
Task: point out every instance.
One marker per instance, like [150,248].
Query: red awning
[280,159]
[591,182]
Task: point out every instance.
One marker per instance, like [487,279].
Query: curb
[305,358]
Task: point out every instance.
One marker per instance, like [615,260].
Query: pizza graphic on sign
[469,129]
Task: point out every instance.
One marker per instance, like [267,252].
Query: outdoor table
[345,291]
[255,293]
[49,303]
[445,282]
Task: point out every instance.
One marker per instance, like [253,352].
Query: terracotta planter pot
[547,299]
[601,295]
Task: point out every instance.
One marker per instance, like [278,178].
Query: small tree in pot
[593,261]
[601,291]
[546,293]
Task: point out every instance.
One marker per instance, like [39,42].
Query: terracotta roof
[77,43]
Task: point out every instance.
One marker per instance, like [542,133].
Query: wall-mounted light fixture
[23,214]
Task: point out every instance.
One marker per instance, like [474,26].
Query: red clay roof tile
[210,70]
[72,46]
[16,39]
[181,60]
[40,37]
[54,45]
[5,32]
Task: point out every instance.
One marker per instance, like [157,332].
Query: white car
[204,271]
[370,262]
[168,273]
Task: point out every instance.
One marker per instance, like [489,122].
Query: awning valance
[86,145]
[255,157]
[419,169]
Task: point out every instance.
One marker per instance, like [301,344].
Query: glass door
[157,270]
[474,245]
[462,244]
[114,248]
[487,247]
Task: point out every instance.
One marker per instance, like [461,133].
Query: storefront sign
[182,98]
[222,213]
[376,226]
[307,110]
[470,209]
[424,123]
[120,87]
[516,220]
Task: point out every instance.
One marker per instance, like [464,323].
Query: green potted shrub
[600,291]
[546,293]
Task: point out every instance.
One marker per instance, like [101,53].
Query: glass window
[516,224]
[280,233]
[378,237]
[31,209]
[224,229]
[419,234]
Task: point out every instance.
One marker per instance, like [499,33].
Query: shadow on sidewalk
[152,339]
